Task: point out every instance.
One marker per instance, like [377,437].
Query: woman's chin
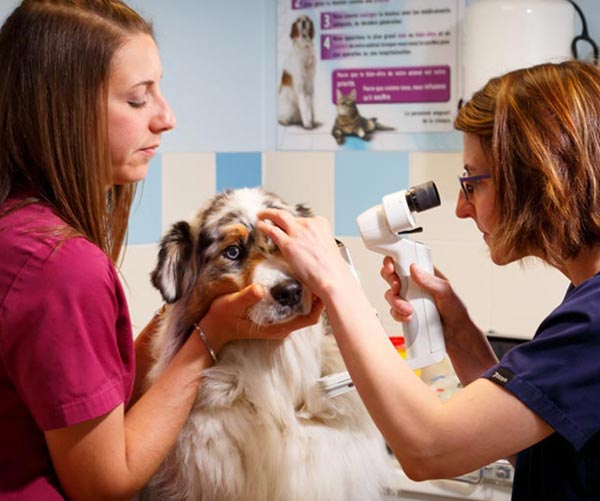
[130,175]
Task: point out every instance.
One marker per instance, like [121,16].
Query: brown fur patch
[234,233]
[205,293]
[286,80]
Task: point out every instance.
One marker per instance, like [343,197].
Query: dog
[297,80]
[260,428]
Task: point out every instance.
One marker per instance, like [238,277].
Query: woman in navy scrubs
[532,186]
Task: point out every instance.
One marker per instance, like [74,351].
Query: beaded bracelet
[211,352]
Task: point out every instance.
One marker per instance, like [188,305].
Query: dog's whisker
[255,328]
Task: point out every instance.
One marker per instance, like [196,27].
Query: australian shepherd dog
[260,429]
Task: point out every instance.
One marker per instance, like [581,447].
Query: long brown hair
[540,127]
[56,59]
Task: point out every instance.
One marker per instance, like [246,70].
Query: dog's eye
[233,252]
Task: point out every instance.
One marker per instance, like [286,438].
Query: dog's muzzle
[288,293]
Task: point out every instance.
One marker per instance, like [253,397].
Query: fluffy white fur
[296,89]
[260,429]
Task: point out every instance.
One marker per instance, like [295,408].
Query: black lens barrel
[422,197]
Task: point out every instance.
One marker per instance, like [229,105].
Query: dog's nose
[288,293]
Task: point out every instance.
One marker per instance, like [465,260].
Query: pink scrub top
[66,345]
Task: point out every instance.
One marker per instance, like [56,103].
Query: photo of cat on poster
[349,121]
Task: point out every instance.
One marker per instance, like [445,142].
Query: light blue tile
[145,225]
[239,170]
[362,178]
[355,144]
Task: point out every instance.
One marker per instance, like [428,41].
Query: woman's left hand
[227,319]
[309,247]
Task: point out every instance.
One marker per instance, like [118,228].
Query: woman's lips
[150,151]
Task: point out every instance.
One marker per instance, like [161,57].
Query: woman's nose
[464,208]
[164,119]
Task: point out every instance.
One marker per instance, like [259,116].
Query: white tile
[189,180]
[302,177]
[468,268]
[523,294]
[143,299]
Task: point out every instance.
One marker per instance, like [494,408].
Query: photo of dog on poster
[297,84]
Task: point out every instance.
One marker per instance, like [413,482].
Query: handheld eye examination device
[384,229]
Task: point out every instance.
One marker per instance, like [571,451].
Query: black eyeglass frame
[463,180]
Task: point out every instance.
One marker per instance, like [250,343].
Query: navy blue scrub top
[557,375]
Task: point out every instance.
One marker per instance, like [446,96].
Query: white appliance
[384,228]
[503,35]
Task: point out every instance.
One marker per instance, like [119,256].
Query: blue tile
[239,170]
[145,220]
[355,144]
[362,178]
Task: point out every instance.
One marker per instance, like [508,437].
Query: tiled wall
[220,77]
[340,186]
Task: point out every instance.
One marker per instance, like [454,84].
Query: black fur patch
[177,242]
[304,210]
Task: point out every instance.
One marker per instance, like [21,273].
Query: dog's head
[303,28]
[222,251]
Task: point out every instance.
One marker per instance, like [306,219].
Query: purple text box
[334,47]
[336,20]
[416,84]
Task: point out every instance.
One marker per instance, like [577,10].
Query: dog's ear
[294,33]
[174,272]
[311,30]
[303,210]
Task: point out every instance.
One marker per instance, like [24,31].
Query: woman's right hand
[227,319]
[467,346]
[400,309]
[451,309]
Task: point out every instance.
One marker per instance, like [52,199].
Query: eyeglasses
[467,183]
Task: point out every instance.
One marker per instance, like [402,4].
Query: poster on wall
[359,73]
